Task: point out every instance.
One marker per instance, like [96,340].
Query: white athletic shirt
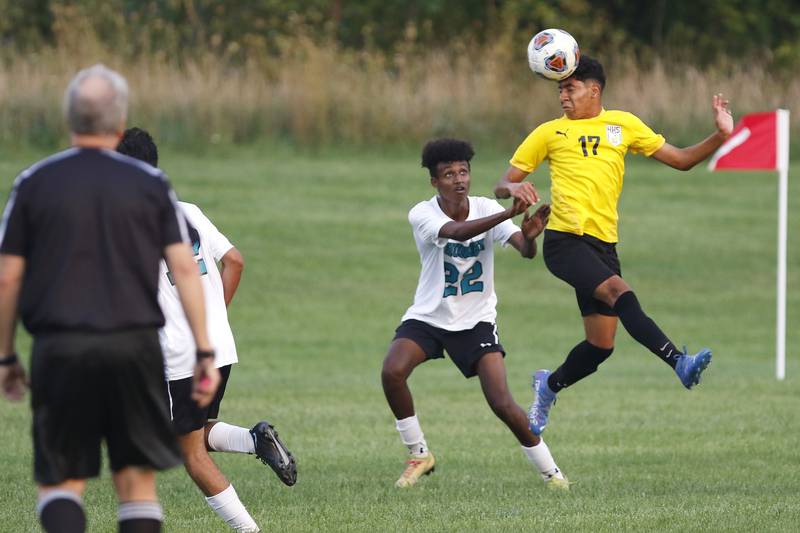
[456,284]
[176,338]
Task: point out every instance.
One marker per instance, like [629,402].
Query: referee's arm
[12,375]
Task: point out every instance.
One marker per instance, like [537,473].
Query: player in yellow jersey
[586,150]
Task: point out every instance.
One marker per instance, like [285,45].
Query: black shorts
[465,347]
[86,387]
[584,262]
[187,416]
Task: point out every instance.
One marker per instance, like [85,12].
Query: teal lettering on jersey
[470,281]
[201,264]
[456,249]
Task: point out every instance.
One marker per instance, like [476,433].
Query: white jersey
[456,284]
[176,338]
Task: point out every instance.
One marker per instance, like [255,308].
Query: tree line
[696,32]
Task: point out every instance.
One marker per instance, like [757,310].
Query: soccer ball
[553,54]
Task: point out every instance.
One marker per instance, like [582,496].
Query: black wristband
[204,354]
[9,360]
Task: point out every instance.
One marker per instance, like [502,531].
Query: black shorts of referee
[584,262]
[90,387]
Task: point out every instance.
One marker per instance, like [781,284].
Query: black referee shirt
[92,226]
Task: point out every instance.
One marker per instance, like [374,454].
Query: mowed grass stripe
[331,266]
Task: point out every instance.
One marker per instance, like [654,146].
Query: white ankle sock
[227,438]
[49,496]
[227,505]
[411,435]
[542,460]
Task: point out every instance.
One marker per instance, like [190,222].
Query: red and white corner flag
[760,141]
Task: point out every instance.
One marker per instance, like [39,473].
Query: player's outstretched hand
[206,381]
[519,206]
[533,225]
[13,381]
[524,190]
[722,115]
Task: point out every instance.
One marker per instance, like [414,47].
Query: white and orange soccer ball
[553,54]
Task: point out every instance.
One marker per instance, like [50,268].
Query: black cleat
[273,453]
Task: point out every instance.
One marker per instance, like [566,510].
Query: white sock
[411,435]
[227,438]
[50,496]
[542,460]
[227,505]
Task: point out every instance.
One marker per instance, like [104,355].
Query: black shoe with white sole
[273,453]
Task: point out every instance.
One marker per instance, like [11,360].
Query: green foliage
[25,25]
[703,32]
[323,72]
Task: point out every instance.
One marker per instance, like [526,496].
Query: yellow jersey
[587,164]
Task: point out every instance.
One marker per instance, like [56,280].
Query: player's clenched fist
[13,381]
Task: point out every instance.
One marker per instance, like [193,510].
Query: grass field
[331,267]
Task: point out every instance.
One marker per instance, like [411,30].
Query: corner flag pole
[782,160]
[760,141]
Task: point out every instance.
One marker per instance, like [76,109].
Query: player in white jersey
[454,305]
[198,430]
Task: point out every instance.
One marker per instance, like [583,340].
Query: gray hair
[96,101]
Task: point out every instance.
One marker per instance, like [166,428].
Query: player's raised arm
[511,185]
[686,158]
[465,230]
[532,227]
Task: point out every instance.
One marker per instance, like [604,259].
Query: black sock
[642,328]
[581,361]
[140,517]
[140,525]
[62,515]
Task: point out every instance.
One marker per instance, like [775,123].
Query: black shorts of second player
[86,387]
[187,416]
[465,347]
[584,262]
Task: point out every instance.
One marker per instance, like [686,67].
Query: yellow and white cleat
[417,467]
[558,484]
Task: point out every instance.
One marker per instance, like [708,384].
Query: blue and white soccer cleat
[689,367]
[543,400]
